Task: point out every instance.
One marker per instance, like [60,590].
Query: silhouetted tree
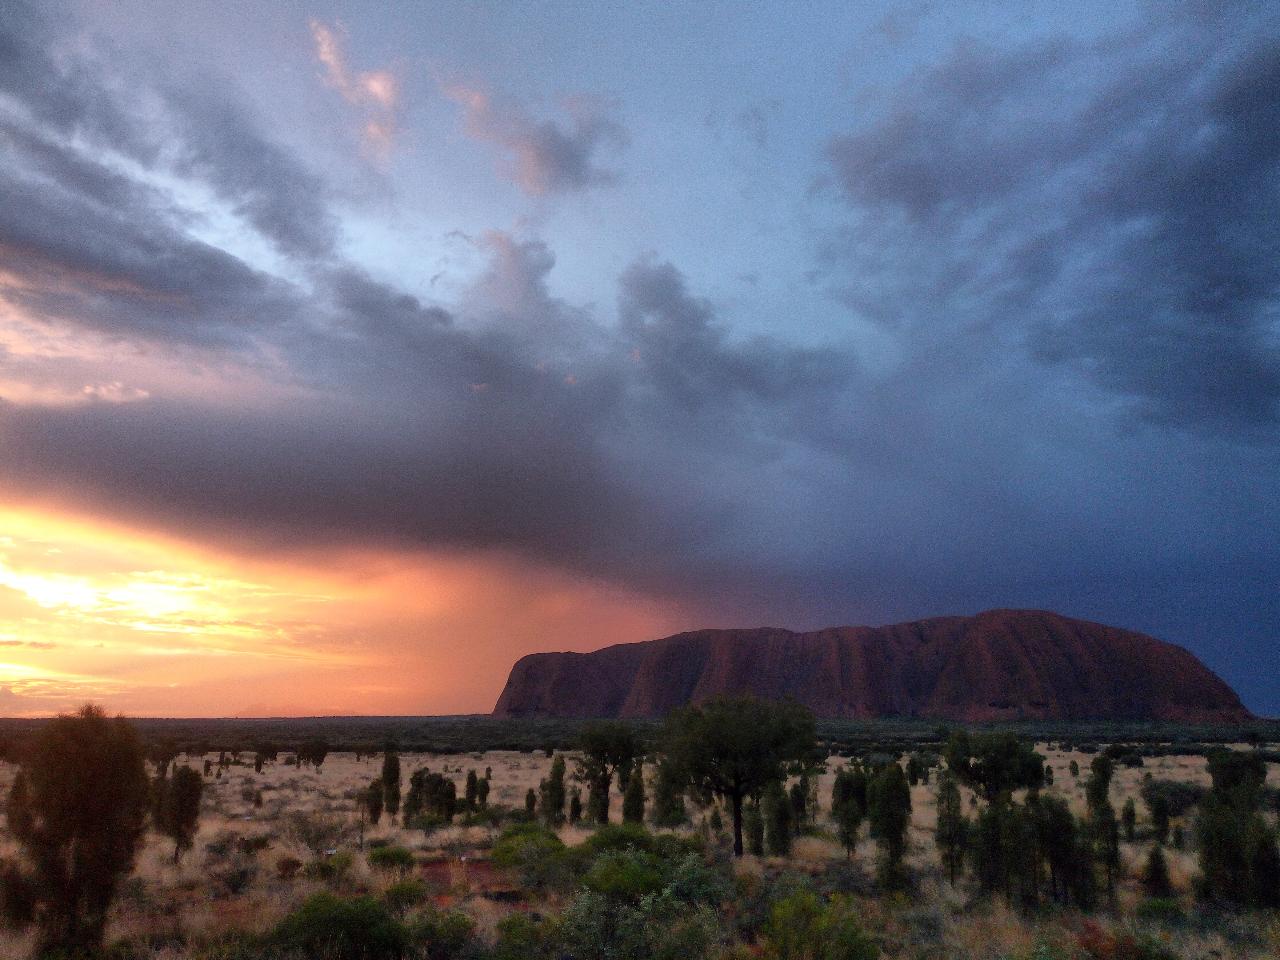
[889,813]
[313,752]
[1155,874]
[552,793]
[633,797]
[667,809]
[1129,819]
[1239,859]
[391,779]
[373,800]
[952,837]
[77,809]
[778,816]
[846,811]
[994,763]
[734,747]
[575,805]
[177,814]
[472,790]
[530,803]
[609,748]
[482,792]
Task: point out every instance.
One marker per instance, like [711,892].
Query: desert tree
[312,752]
[1239,858]
[471,791]
[778,817]
[77,809]
[952,836]
[1155,874]
[530,803]
[1129,820]
[482,792]
[847,810]
[575,806]
[609,749]
[177,811]
[552,794]
[668,809]
[391,779]
[889,814]
[734,747]
[633,797]
[994,763]
[373,800]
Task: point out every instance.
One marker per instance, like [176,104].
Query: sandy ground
[199,895]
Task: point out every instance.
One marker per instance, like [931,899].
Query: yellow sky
[156,627]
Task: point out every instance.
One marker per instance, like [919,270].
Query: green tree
[575,805]
[668,809]
[552,794]
[733,747]
[633,797]
[77,809]
[846,810]
[1155,874]
[994,763]
[1129,820]
[889,813]
[778,815]
[373,800]
[952,837]
[472,790]
[1239,858]
[609,748]
[177,813]
[391,779]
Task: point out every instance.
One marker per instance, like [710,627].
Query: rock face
[998,665]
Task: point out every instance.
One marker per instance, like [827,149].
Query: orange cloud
[150,625]
[375,92]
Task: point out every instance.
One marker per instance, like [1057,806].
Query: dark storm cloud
[195,129]
[1126,229]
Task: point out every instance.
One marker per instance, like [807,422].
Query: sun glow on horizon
[150,625]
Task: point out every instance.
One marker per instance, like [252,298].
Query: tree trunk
[736,801]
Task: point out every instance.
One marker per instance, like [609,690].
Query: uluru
[997,665]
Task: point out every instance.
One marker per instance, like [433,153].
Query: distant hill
[998,665]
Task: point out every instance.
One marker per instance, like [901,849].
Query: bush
[339,929]
[403,894]
[625,874]
[536,853]
[391,858]
[442,934]
[331,869]
[801,927]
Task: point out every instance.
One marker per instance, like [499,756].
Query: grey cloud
[1127,233]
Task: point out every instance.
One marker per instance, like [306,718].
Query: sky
[349,352]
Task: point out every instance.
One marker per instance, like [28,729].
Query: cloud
[376,93]
[1108,208]
[544,156]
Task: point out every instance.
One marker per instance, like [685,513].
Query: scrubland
[267,841]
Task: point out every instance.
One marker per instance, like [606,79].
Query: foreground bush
[802,927]
[342,929]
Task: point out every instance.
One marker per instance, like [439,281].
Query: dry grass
[193,898]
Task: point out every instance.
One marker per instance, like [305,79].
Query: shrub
[403,894]
[442,934]
[625,874]
[342,929]
[287,867]
[331,869]
[391,858]
[535,852]
[801,927]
